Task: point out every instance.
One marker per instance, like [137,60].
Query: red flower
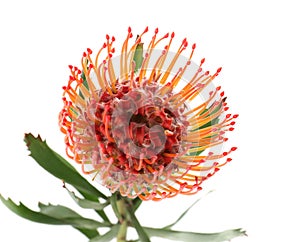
[140,128]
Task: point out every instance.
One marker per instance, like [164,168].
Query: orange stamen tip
[194,46]
[71,67]
[156,31]
[235,116]
[233,148]
[129,29]
[84,54]
[219,69]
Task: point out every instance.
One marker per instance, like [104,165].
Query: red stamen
[89,51]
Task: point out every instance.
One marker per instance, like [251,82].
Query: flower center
[139,129]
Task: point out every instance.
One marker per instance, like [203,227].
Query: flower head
[137,121]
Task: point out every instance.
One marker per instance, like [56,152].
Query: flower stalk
[121,206]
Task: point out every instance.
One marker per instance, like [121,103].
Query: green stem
[121,205]
[121,237]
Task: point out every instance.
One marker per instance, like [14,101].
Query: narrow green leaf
[26,213]
[89,233]
[136,203]
[55,215]
[95,199]
[138,56]
[85,83]
[181,216]
[191,236]
[197,153]
[113,202]
[208,124]
[143,236]
[58,166]
[184,213]
[108,236]
[70,217]
[86,203]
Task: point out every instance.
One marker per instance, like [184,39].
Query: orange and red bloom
[138,125]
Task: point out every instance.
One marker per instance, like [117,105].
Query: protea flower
[142,124]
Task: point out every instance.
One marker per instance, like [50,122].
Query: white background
[256,42]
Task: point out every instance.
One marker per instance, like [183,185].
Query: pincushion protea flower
[133,124]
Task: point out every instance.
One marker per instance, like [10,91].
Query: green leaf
[26,213]
[70,217]
[212,122]
[55,215]
[181,216]
[86,203]
[113,202]
[89,233]
[184,213]
[208,124]
[85,83]
[143,236]
[197,153]
[136,203]
[138,56]
[108,236]
[191,236]
[58,166]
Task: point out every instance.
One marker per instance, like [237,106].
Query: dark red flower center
[136,128]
